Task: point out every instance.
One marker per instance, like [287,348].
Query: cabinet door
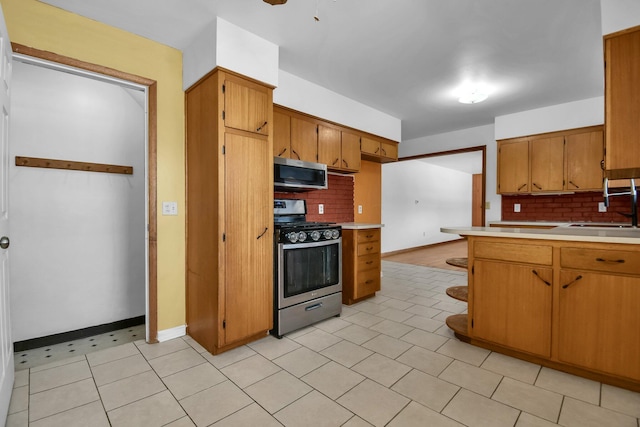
[304,140]
[351,158]
[370,146]
[622,101]
[389,150]
[248,247]
[329,151]
[512,305]
[599,322]
[513,167]
[281,134]
[246,106]
[584,152]
[547,164]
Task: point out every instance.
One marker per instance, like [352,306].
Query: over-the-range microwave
[297,175]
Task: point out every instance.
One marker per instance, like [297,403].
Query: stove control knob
[302,236]
[292,237]
[315,235]
[326,234]
[335,234]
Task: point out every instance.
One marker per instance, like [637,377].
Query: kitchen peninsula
[565,297]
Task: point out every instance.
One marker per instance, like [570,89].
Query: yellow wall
[368,193]
[44,27]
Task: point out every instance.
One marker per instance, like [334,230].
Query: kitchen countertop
[358,225]
[566,232]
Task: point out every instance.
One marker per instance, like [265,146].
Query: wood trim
[622,32]
[35,162]
[402,251]
[152,101]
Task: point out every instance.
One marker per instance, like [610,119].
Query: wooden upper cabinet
[281,134]
[513,167]
[622,104]
[246,106]
[370,146]
[350,151]
[304,140]
[584,154]
[389,150]
[329,146]
[547,164]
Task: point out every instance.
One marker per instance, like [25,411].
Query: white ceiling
[403,57]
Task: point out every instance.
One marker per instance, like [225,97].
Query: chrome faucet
[634,200]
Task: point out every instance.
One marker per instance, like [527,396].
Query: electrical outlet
[169,208]
[321,209]
[516,207]
[601,207]
[359,209]
[487,205]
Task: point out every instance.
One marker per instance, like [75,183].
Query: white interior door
[6,344]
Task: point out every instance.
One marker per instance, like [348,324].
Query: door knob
[4,242]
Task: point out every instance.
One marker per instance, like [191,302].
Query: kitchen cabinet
[513,167]
[379,149]
[566,161]
[304,140]
[351,158]
[339,150]
[565,304]
[360,264]
[229,256]
[281,134]
[622,103]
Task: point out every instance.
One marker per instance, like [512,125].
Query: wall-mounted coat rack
[35,162]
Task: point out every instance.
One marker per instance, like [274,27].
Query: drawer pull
[369,262]
[369,236]
[610,261]
[370,248]
[538,276]
[313,307]
[368,282]
[571,282]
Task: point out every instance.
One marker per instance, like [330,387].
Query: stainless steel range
[308,268]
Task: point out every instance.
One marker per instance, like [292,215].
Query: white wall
[619,14]
[472,137]
[571,115]
[417,199]
[77,238]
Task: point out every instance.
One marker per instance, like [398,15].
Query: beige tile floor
[387,361]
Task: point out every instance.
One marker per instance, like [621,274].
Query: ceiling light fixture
[473,97]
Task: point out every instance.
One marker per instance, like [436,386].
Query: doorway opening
[143,92]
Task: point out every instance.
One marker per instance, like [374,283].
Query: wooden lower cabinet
[512,305]
[569,305]
[360,264]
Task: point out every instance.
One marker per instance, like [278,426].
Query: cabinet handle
[602,164]
[538,276]
[369,262]
[260,127]
[334,162]
[263,233]
[370,248]
[522,186]
[384,152]
[377,149]
[346,164]
[565,286]
[282,152]
[610,261]
[297,155]
[368,236]
[574,184]
[536,185]
[368,282]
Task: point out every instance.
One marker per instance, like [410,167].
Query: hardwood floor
[433,255]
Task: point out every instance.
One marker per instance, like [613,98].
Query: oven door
[308,270]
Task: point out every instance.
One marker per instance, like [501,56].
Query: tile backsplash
[578,207]
[337,200]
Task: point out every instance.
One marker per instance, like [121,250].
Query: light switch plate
[321,209]
[169,208]
[516,207]
[359,209]
[601,207]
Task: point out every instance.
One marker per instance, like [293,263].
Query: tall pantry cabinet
[229,210]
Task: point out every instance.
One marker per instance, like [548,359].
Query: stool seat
[458,262]
[460,293]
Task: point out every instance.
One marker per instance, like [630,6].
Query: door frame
[482,148]
[152,249]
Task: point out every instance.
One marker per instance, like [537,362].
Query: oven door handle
[313,307]
[312,244]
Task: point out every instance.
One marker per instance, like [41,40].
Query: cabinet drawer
[368,283]
[368,235]
[368,262]
[606,260]
[530,254]
[368,248]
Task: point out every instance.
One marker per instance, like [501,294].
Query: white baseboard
[169,334]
